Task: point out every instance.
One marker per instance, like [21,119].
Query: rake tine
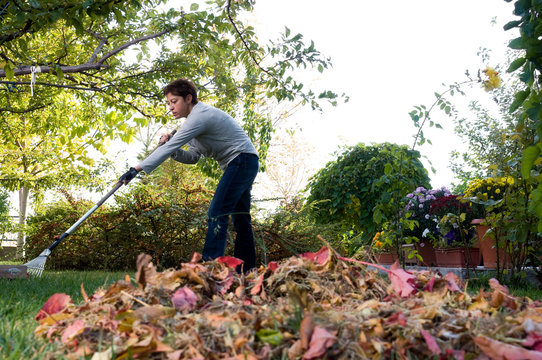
[35,267]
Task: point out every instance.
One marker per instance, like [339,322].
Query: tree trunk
[23,204]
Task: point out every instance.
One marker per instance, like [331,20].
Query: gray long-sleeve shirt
[208,131]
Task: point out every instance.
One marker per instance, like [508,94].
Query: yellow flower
[379,244]
[493,81]
[498,191]
[377,235]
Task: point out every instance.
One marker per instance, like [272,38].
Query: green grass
[21,299]
[518,287]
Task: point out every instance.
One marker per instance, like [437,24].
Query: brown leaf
[296,350]
[144,269]
[306,329]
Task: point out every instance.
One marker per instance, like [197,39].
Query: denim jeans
[232,197]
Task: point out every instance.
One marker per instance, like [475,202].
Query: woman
[211,132]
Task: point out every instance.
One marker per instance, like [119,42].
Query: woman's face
[178,106]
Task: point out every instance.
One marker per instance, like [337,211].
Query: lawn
[21,299]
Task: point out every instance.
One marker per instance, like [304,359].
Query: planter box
[456,257]
[386,258]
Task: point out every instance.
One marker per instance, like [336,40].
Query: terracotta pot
[488,250]
[386,258]
[456,257]
[427,252]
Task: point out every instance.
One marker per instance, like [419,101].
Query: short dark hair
[182,87]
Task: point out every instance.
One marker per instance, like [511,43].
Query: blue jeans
[232,197]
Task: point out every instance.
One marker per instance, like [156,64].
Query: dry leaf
[56,303]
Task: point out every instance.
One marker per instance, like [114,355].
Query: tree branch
[25,70]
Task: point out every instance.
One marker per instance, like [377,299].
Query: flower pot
[427,252]
[488,249]
[456,257]
[386,258]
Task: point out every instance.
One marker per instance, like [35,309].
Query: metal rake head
[35,267]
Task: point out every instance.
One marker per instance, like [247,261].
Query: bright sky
[389,56]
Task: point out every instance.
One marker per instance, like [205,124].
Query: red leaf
[457,354]
[398,318]
[429,286]
[533,340]
[73,330]
[272,266]
[321,340]
[431,342]
[230,261]
[54,304]
[501,351]
[320,257]
[184,299]
[401,280]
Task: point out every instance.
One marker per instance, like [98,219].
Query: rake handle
[59,239]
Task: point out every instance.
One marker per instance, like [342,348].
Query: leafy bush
[366,186]
[169,224]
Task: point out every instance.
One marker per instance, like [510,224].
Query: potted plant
[382,247]
[454,245]
[424,226]
[489,194]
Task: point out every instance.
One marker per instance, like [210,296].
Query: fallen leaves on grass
[314,306]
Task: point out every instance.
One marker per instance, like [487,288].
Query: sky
[389,56]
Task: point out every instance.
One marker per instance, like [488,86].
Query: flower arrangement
[418,207]
[382,242]
[489,191]
[454,225]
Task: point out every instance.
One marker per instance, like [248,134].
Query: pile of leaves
[312,306]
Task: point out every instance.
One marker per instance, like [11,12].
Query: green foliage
[4,211]
[366,186]
[529,99]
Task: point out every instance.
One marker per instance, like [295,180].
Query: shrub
[365,186]
[168,224]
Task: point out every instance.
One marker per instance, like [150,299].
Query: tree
[365,186]
[97,57]
[494,144]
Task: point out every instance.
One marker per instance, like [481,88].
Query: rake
[35,267]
